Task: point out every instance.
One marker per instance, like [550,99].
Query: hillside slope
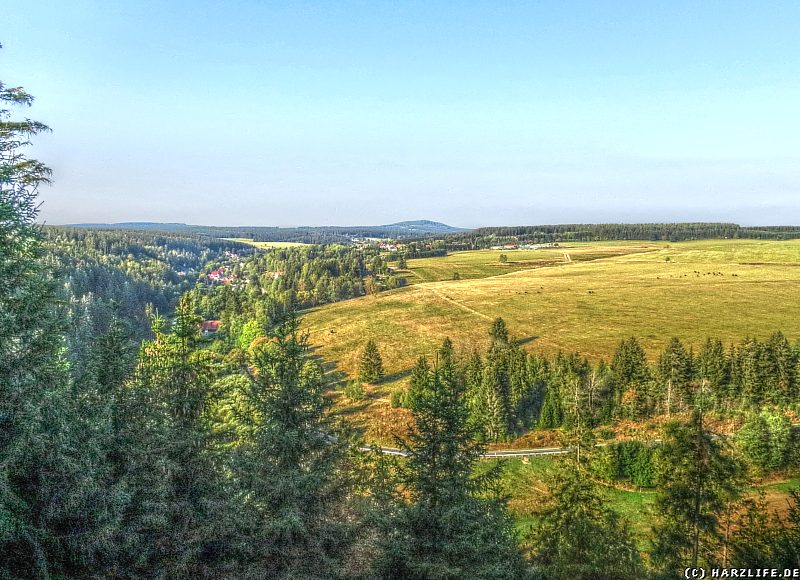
[727,289]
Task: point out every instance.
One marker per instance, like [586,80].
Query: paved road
[487,455]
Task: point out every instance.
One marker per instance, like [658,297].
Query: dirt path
[455,303]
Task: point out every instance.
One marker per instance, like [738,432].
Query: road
[496,453]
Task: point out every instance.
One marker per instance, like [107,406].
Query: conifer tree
[370,368]
[579,536]
[498,331]
[494,385]
[674,373]
[778,364]
[713,372]
[293,475]
[630,377]
[419,381]
[173,526]
[48,481]
[696,481]
[446,522]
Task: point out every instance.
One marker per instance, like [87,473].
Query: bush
[766,440]
[633,461]
[354,391]
[397,399]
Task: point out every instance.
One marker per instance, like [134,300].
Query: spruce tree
[498,331]
[446,522]
[579,536]
[713,373]
[630,378]
[370,368]
[174,526]
[696,480]
[292,474]
[674,373]
[49,523]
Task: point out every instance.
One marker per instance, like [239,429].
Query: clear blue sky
[472,113]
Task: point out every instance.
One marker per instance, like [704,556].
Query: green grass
[266,245]
[725,289]
[526,487]
[486,263]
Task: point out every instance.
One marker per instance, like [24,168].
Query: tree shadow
[526,340]
[396,376]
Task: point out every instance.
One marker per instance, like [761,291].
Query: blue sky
[472,113]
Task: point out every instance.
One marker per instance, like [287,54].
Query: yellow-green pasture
[486,263]
[266,245]
[722,288]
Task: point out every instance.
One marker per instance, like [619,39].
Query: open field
[485,263]
[266,245]
[723,288]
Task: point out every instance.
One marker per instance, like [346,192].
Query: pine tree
[419,381]
[494,387]
[446,522]
[778,366]
[713,372]
[293,475]
[579,536]
[48,480]
[177,503]
[498,331]
[674,373]
[696,481]
[370,368]
[630,377]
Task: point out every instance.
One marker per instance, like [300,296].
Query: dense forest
[123,272]
[187,456]
[301,234]
[126,273]
[511,391]
[671,232]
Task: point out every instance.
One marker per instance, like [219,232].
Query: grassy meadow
[654,291]
[606,292]
[485,263]
[266,245]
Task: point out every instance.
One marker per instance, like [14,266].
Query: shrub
[354,391]
[397,399]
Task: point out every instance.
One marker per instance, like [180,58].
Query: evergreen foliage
[697,480]
[579,536]
[293,475]
[445,521]
[370,368]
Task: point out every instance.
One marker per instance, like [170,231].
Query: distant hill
[163,227]
[306,234]
[422,228]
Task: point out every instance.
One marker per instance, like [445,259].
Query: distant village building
[220,277]
[210,327]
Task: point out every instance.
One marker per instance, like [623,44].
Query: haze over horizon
[354,113]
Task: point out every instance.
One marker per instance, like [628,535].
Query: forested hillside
[670,232]
[126,270]
[302,234]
